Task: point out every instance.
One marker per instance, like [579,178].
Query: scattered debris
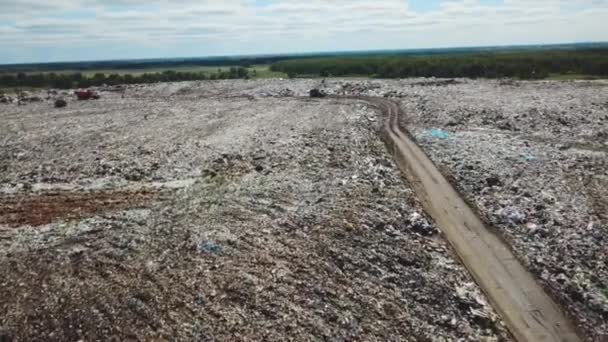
[24,95]
[114,89]
[357,88]
[395,94]
[6,99]
[439,83]
[528,157]
[23,98]
[209,247]
[439,133]
[317,93]
[286,93]
[60,103]
[493,181]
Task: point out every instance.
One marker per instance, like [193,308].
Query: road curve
[530,314]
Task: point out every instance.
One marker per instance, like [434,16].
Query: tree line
[522,65]
[78,80]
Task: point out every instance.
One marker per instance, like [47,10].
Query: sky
[74,30]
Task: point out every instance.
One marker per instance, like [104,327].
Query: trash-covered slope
[259,218]
[533,157]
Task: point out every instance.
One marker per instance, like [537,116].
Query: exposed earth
[232,210]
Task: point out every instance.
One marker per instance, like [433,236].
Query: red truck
[86,94]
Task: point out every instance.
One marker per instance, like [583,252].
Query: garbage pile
[51,93]
[60,103]
[440,83]
[395,94]
[27,97]
[286,93]
[560,111]
[5,99]
[119,88]
[359,89]
[249,240]
[533,159]
[316,93]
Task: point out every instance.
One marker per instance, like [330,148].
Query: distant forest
[78,80]
[246,61]
[522,65]
[536,62]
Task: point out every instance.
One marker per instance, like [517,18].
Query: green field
[263,71]
[137,72]
[256,71]
[65,79]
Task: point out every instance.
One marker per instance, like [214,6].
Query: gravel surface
[219,211]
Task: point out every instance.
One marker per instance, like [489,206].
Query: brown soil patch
[44,208]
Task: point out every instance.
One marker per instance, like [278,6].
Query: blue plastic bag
[440,134]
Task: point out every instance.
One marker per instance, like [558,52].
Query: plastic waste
[440,134]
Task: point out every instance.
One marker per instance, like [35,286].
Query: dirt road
[528,311]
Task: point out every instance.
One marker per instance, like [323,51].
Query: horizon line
[311,53]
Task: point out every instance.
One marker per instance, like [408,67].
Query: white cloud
[195,27]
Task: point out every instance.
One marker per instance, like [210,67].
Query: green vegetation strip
[523,65]
[591,63]
[79,80]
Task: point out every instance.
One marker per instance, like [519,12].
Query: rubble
[317,93]
[115,88]
[286,92]
[60,103]
[356,88]
[439,83]
[6,99]
[23,97]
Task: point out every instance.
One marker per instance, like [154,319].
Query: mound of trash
[60,103]
[316,93]
[6,99]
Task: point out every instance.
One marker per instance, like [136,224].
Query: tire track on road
[530,314]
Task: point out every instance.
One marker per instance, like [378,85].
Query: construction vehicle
[86,94]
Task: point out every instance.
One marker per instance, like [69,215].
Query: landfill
[246,210]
